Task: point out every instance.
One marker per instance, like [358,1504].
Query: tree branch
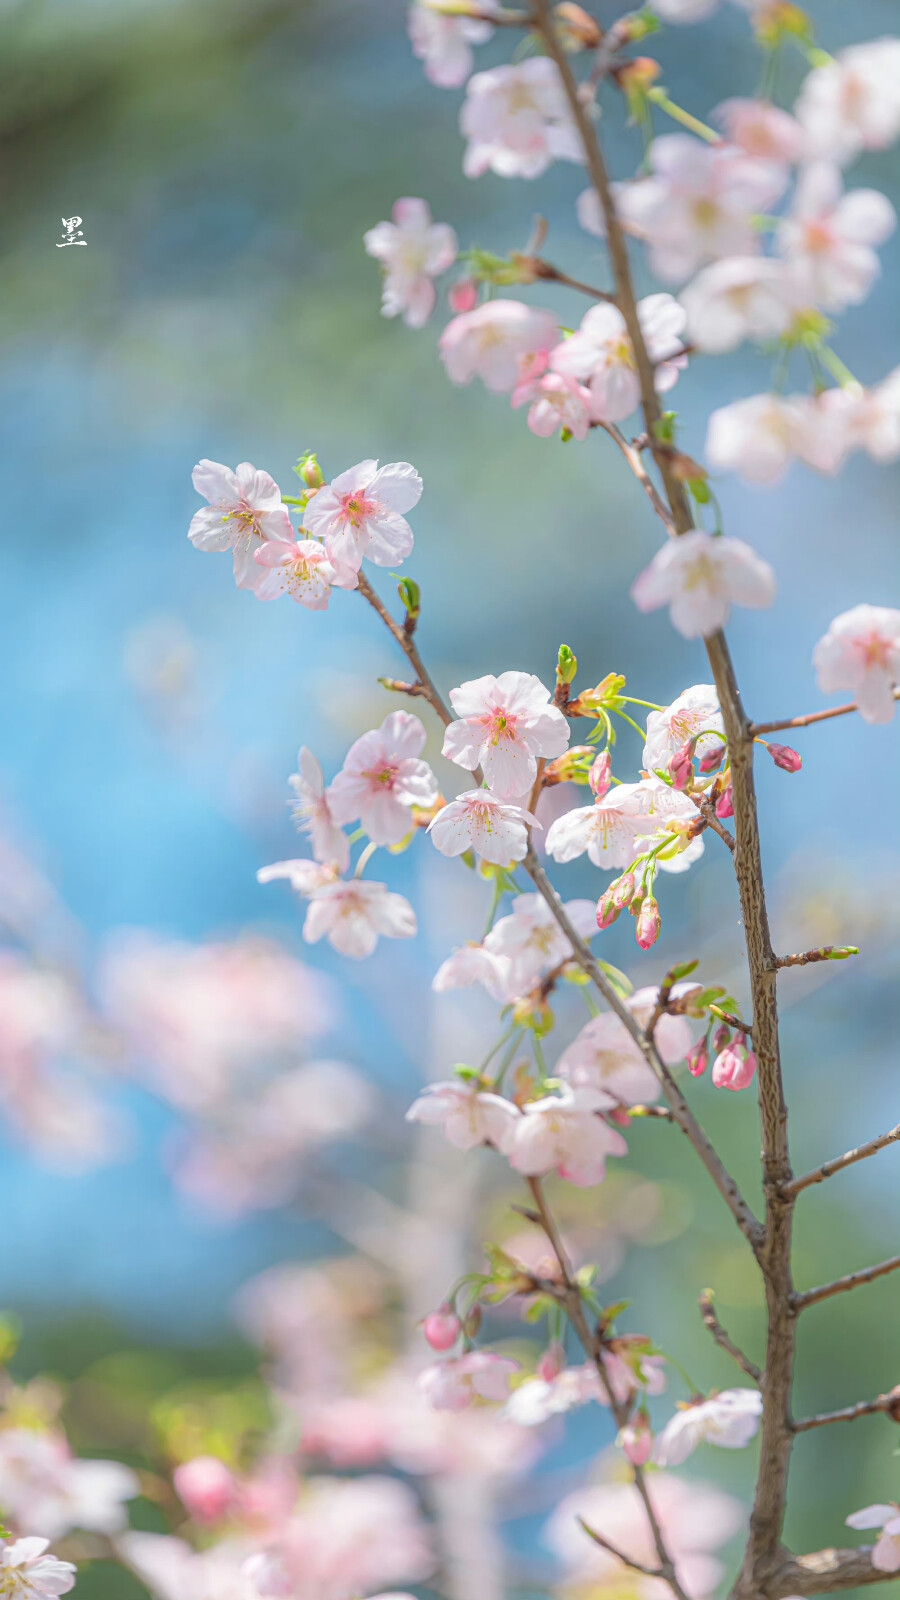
[648,1572]
[806,957]
[424,684]
[758,728]
[853,1280]
[888,1403]
[826,1572]
[545,272]
[712,1323]
[829,1168]
[708,812]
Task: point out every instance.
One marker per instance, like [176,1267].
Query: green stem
[678,114]
[836,367]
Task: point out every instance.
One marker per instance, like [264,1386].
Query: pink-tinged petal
[409,212]
[216,483]
[389,539]
[872,1516]
[886,1554]
[276,523]
[394,917]
[471,699]
[212,529]
[258,488]
[462,744]
[866,216]
[403,734]
[247,575]
[322,509]
[509,767]
[274,553]
[415,303]
[358,477]
[397,485]
[443,246]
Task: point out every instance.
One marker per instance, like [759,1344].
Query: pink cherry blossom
[172,1570]
[354,915]
[412,250]
[304,877]
[474,964]
[312,812]
[490,342]
[504,724]
[457,1384]
[28,1572]
[382,779]
[861,653]
[828,237]
[624,823]
[694,714]
[359,514]
[757,438]
[874,419]
[698,204]
[538,1399]
[886,1554]
[206,1487]
[42,1484]
[761,129]
[478,821]
[302,570]
[517,121]
[853,102]
[605,1058]
[734,1067]
[444,43]
[672,1034]
[699,577]
[467,1114]
[742,297]
[531,941]
[600,355]
[564,1133]
[245,510]
[729,1420]
[558,403]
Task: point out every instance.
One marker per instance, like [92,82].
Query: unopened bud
[206,1488]
[619,1116]
[607,910]
[712,758]
[639,75]
[721,1037]
[463,295]
[568,766]
[725,803]
[698,1059]
[681,766]
[310,472]
[442,1328]
[621,890]
[576,29]
[566,665]
[783,756]
[551,1363]
[600,775]
[637,1441]
[734,1068]
[648,923]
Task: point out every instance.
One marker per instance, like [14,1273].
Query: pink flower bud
[619,1116]
[463,295]
[785,758]
[713,757]
[698,1059]
[607,910]
[721,1037]
[733,1068]
[552,1361]
[681,766]
[622,890]
[442,1328]
[648,923]
[600,775]
[637,1442]
[725,803]
[206,1488]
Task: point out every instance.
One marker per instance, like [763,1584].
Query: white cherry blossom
[312,813]
[886,1554]
[479,821]
[757,438]
[853,102]
[742,297]
[761,129]
[599,354]
[517,121]
[245,510]
[555,402]
[444,43]
[490,342]
[302,570]
[699,577]
[874,421]
[729,1419]
[474,964]
[604,1056]
[456,1384]
[354,915]
[531,940]
[468,1115]
[359,514]
[27,1572]
[623,824]
[860,653]
[43,1485]
[696,709]
[504,724]
[304,877]
[828,238]
[564,1133]
[382,779]
[412,250]
[538,1399]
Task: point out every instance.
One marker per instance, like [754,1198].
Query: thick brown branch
[758,728]
[712,1323]
[888,1403]
[829,1168]
[826,1572]
[853,1280]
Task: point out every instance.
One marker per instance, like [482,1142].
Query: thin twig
[828,1168]
[811,1297]
[633,457]
[546,272]
[757,728]
[712,1323]
[424,684]
[605,1544]
[887,1403]
[708,812]
[806,957]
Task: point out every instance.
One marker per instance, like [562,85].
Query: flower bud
[721,1037]
[621,890]
[698,1059]
[206,1488]
[552,1361]
[648,923]
[600,775]
[577,30]
[734,1068]
[569,766]
[310,472]
[637,1441]
[463,295]
[785,758]
[712,758]
[566,665]
[442,1328]
[607,910]
[681,766]
[619,1116]
[725,803]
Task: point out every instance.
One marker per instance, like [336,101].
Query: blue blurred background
[226,159]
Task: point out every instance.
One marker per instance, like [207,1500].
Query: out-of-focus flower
[853,102]
[636,1440]
[734,1067]
[474,964]
[206,1487]
[874,422]
[301,569]
[729,1419]
[444,43]
[517,121]
[861,653]
[479,821]
[312,812]
[454,1385]
[599,354]
[531,940]
[359,514]
[245,509]
[756,437]
[564,1133]
[604,1057]
[504,724]
[556,403]
[828,238]
[27,1571]
[761,129]
[467,1114]
[741,297]
[442,1328]
[382,779]
[43,1485]
[412,250]
[699,577]
[490,342]
[886,1554]
[354,915]
[538,1399]
[173,1571]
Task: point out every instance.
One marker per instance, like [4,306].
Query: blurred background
[226,158]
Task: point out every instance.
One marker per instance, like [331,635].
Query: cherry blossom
[517,121]
[828,237]
[742,297]
[354,915]
[505,724]
[456,1384]
[444,42]
[886,1554]
[28,1572]
[605,1057]
[556,402]
[490,342]
[206,1487]
[734,1067]
[245,510]
[873,418]
[531,941]
[538,1399]
[699,577]
[563,1133]
[42,1484]
[853,102]
[599,354]
[300,569]
[478,821]
[412,250]
[761,129]
[304,877]
[694,714]
[624,823]
[312,813]
[729,1419]
[672,1035]
[474,964]
[698,204]
[861,653]
[173,1571]
[359,514]
[467,1114]
[636,1441]
[383,779]
[351,1536]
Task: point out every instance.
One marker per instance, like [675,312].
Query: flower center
[874,651]
[383,776]
[355,508]
[817,237]
[706,212]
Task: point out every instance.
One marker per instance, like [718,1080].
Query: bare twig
[708,812]
[849,1159]
[712,1323]
[806,957]
[633,457]
[853,1280]
[887,1403]
[424,685]
[758,728]
[546,272]
[605,1544]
